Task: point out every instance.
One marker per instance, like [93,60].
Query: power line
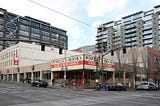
[61,14]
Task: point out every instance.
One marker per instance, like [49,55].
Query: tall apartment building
[139,29]
[15,28]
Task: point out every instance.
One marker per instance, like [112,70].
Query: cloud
[67,7]
[96,24]
[101,7]
[155,2]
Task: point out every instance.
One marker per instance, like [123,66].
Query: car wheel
[150,89]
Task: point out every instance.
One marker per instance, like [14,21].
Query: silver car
[147,86]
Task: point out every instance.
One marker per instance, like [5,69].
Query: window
[44,33]
[126,20]
[148,41]
[53,35]
[157,9]
[148,36]
[1,34]
[54,30]
[35,24]
[148,26]
[147,32]
[45,38]
[24,33]
[137,16]
[1,21]
[62,32]
[1,28]
[23,38]
[24,21]
[24,28]
[45,27]
[148,17]
[35,33]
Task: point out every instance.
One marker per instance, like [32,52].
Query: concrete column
[18,77]
[83,77]
[25,75]
[124,77]
[12,76]
[113,76]
[40,76]
[52,77]
[32,76]
[7,77]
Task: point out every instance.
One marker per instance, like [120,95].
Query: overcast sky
[92,12]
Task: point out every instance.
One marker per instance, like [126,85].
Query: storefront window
[46,75]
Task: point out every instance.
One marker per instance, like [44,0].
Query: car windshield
[144,84]
[120,84]
[37,81]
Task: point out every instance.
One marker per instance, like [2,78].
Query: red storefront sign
[79,62]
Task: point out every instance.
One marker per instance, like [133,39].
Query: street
[24,95]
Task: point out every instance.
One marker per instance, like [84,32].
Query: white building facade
[26,60]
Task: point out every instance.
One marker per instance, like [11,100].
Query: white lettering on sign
[108,61]
[81,61]
[89,57]
[68,59]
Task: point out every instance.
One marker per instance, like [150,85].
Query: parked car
[98,86]
[117,87]
[147,86]
[39,83]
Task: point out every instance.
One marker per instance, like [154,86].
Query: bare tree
[121,63]
[134,60]
[145,63]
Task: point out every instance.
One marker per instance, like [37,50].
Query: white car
[147,86]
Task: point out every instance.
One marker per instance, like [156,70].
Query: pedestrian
[105,86]
[22,80]
[53,82]
[74,84]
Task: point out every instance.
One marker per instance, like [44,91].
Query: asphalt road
[24,95]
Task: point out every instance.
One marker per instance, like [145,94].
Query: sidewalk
[58,87]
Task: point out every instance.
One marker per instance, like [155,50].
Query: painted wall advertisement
[79,62]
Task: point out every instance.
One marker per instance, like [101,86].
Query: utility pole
[65,68]
[102,68]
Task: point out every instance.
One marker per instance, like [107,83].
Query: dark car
[39,83]
[147,86]
[116,87]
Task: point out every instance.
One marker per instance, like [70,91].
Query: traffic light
[124,50]
[60,50]
[42,47]
[112,52]
[32,67]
